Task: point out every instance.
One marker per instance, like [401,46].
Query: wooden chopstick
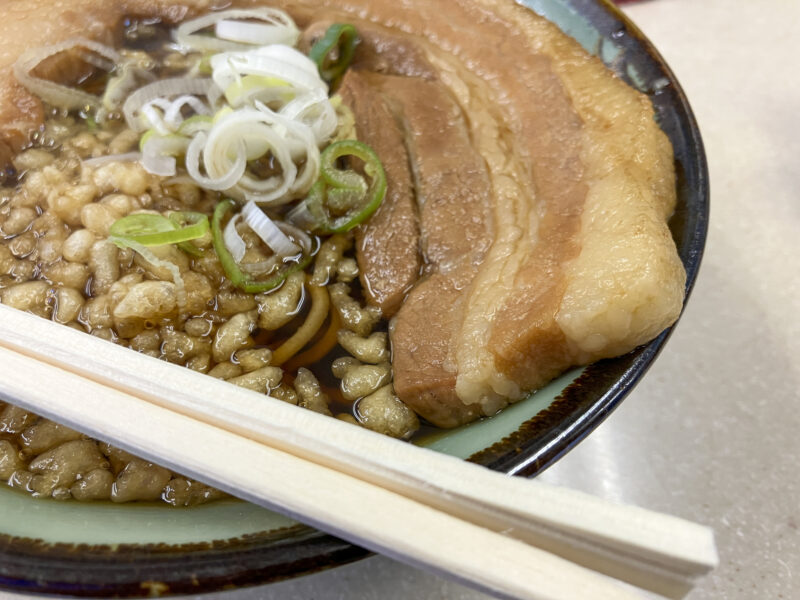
[360,512]
[653,551]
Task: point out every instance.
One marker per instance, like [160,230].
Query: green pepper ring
[332,177]
[339,35]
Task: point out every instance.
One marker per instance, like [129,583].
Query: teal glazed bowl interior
[106,550]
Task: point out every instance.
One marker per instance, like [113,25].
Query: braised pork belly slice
[454,202]
[387,246]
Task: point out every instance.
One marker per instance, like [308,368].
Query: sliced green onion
[129,74]
[159,152]
[99,161]
[173,116]
[190,249]
[267,89]
[156,230]
[284,72]
[54,93]
[188,219]
[266,229]
[234,32]
[149,256]
[195,124]
[158,92]
[233,241]
[334,51]
[234,273]
[342,193]
[134,226]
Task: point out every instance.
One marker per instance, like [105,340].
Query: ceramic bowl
[141,550]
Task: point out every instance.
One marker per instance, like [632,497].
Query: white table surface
[712,434]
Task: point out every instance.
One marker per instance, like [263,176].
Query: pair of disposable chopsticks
[508,536]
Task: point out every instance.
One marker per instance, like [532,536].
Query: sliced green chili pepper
[185,219]
[190,249]
[238,277]
[157,230]
[334,51]
[341,200]
[194,224]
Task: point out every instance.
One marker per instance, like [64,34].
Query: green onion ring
[187,219]
[235,274]
[157,230]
